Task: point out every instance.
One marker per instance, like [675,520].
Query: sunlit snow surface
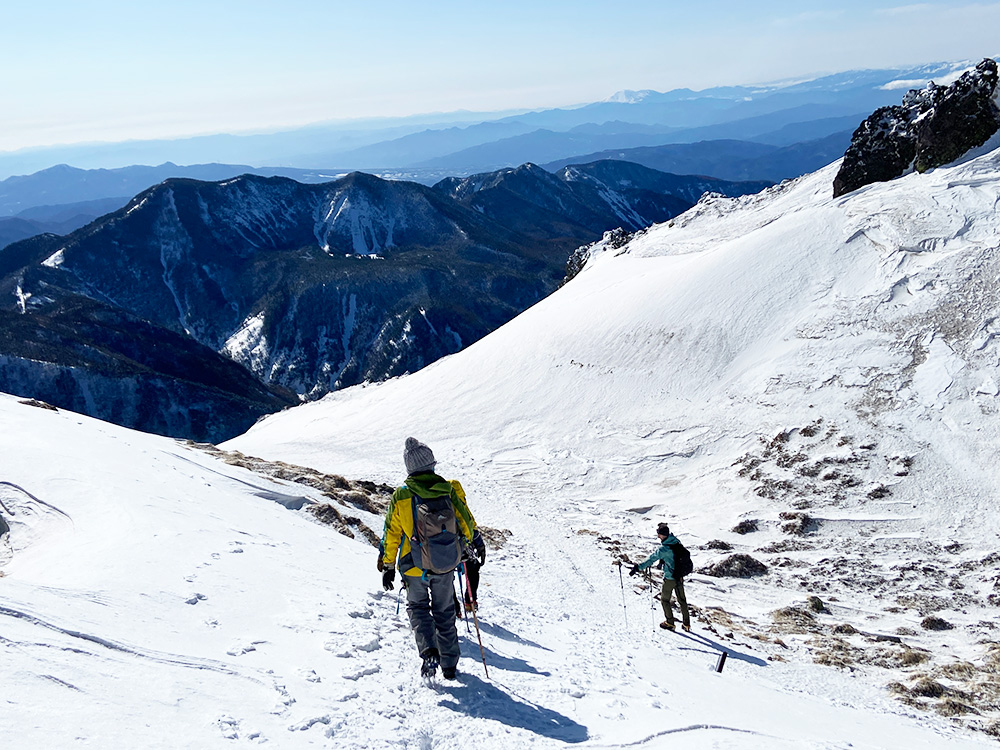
[156,597]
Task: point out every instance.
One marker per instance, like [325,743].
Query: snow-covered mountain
[804,386]
[807,381]
[302,288]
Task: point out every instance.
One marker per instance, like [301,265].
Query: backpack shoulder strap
[414,497]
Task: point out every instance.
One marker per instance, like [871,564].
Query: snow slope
[154,596]
[778,358]
[157,597]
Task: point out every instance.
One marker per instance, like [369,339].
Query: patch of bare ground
[362,495]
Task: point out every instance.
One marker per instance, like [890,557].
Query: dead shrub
[952,707]
[718,544]
[745,527]
[935,623]
[798,524]
[795,620]
[495,538]
[736,566]
[927,688]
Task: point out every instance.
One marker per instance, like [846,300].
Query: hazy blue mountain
[587,143]
[728,159]
[365,144]
[62,184]
[70,213]
[294,148]
[419,147]
[13,229]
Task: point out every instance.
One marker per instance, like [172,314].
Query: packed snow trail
[776,357]
[182,608]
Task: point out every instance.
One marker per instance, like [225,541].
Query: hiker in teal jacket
[670,584]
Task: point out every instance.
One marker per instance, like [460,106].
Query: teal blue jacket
[663,553]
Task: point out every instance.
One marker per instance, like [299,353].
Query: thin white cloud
[902,10]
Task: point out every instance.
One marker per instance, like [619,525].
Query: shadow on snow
[483,700]
[504,634]
[470,649]
[719,648]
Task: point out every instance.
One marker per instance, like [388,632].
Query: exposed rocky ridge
[932,127]
[201,306]
[598,196]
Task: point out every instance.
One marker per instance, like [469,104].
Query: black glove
[634,571]
[387,578]
[481,552]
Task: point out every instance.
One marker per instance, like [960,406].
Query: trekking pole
[398,592]
[621,578]
[652,600]
[475,618]
[465,610]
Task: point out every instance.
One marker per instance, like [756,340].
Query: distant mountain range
[434,142]
[200,306]
[731,160]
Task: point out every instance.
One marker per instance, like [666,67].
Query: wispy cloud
[903,10]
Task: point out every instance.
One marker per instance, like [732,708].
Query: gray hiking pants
[430,605]
[670,586]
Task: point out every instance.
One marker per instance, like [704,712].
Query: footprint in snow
[240,649]
[373,645]
[310,723]
[229,726]
[355,676]
[195,599]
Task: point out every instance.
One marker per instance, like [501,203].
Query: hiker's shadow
[503,633]
[470,649]
[719,648]
[482,700]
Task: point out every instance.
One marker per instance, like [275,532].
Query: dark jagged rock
[932,127]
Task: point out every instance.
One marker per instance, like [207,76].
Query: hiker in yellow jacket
[427,527]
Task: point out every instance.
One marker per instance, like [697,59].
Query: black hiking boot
[449,673]
[430,665]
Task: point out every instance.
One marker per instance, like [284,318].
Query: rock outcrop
[932,127]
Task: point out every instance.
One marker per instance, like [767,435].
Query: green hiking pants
[670,587]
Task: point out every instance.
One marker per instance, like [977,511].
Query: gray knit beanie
[417,457]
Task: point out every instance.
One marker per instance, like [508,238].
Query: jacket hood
[671,540]
[428,484]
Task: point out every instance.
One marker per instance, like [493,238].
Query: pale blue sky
[74,71]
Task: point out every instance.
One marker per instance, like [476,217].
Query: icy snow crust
[155,597]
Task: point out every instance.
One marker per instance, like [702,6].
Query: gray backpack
[436,545]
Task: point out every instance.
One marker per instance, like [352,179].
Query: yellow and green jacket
[399,518]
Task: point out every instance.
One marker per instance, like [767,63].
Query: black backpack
[436,544]
[682,561]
